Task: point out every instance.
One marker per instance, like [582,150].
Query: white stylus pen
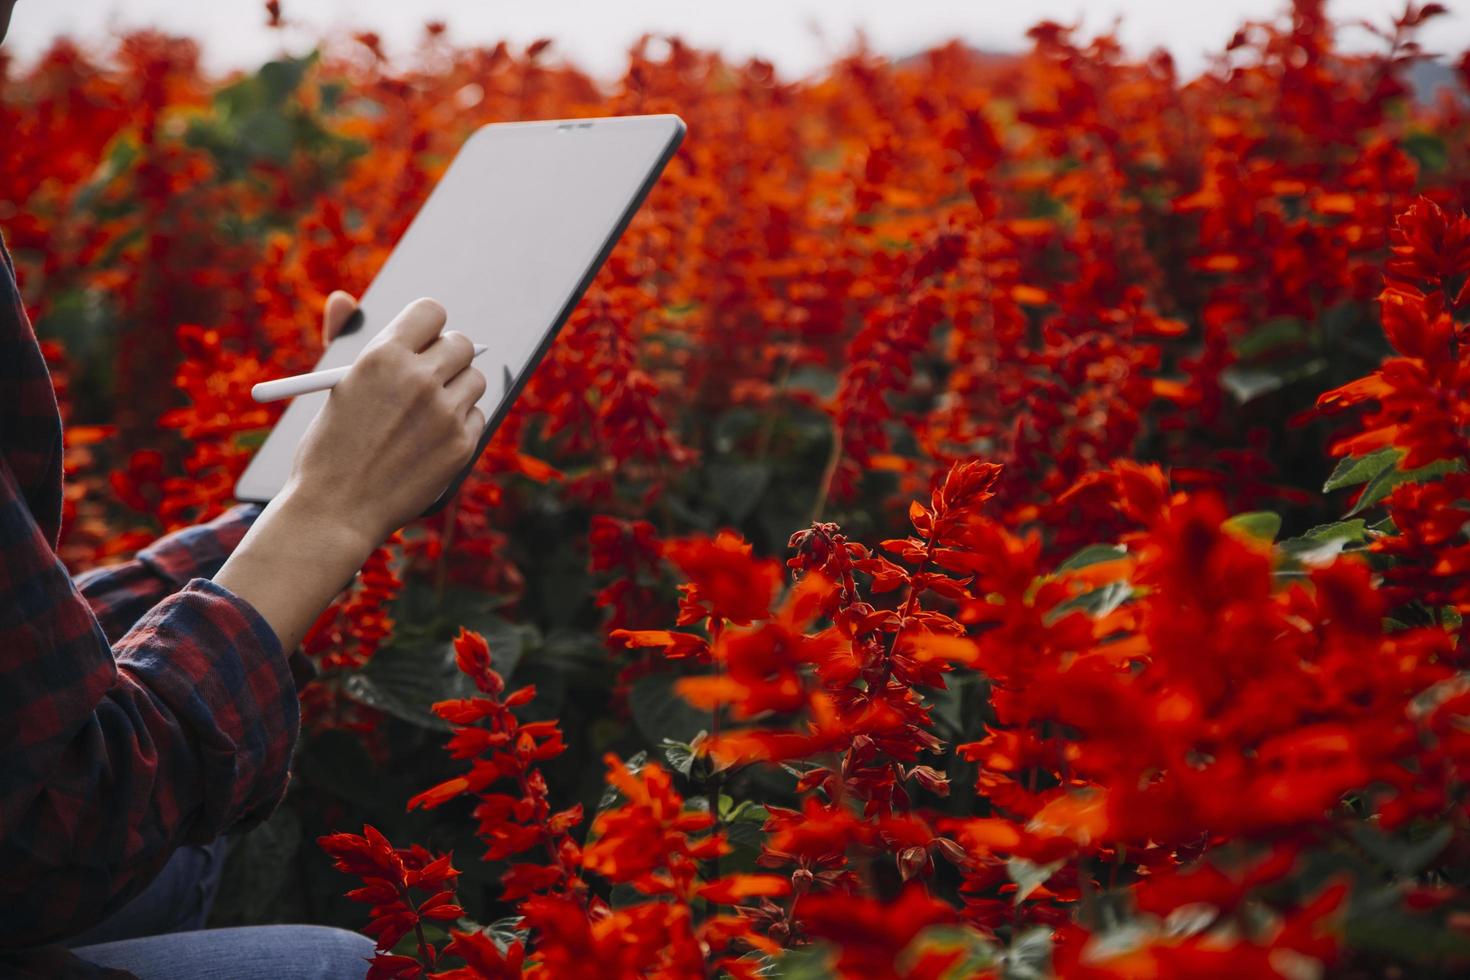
[303,384]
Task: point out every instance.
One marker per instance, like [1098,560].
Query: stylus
[302,384]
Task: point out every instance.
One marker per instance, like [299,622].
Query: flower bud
[953,852]
[931,779]
[913,861]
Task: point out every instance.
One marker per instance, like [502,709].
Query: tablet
[507,241]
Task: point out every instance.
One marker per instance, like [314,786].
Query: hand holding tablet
[394,432]
[397,428]
[507,242]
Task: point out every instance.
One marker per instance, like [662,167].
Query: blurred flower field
[991,515]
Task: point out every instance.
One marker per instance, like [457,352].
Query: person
[147,709]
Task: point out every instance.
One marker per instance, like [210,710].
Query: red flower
[869,934]
[725,581]
[390,877]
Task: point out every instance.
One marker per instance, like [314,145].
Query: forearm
[295,560]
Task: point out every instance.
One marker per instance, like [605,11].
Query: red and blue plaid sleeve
[115,756]
[120,594]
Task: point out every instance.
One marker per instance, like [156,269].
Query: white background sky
[798,35]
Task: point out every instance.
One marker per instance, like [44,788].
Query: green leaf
[815,380]
[1281,331]
[1387,481]
[975,953]
[1029,876]
[737,487]
[1029,955]
[730,428]
[811,962]
[1190,919]
[1097,603]
[257,870]
[1360,469]
[1322,544]
[428,613]
[747,840]
[1427,701]
[279,80]
[504,932]
[265,135]
[623,895]
[122,153]
[1246,383]
[405,679]
[747,811]
[1262,525]
[1407,857]
[1093,554]
[335,761]
[680,756]
[956,702]
[1120,939]
[660,713]
[1427,149]
[610,795]
[1405,937]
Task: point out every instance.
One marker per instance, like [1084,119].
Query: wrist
[296,558]
[351,534]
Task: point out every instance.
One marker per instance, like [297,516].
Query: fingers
[448,356]
[339,309]
[418,325]
[474,426]
[465,390]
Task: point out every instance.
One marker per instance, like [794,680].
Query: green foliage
[1355,470]
[1262,525]
[1246,383]
[264,118]
[1273,335]
[1323,543]
[407,676]
[259,873]
[1390,478]
[659,713]
[974,953]
[1029,876]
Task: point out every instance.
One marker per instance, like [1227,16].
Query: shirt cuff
[218,664]
[200,551]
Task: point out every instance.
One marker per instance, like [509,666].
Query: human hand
[391,436]
[398,428]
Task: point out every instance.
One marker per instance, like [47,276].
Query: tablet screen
[507,241]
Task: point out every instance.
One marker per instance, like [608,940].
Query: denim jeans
[160,934]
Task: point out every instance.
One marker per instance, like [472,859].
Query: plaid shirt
[141,707]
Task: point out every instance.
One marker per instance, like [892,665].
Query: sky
[799,36]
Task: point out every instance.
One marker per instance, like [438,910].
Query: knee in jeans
[336,944]
[257,952]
